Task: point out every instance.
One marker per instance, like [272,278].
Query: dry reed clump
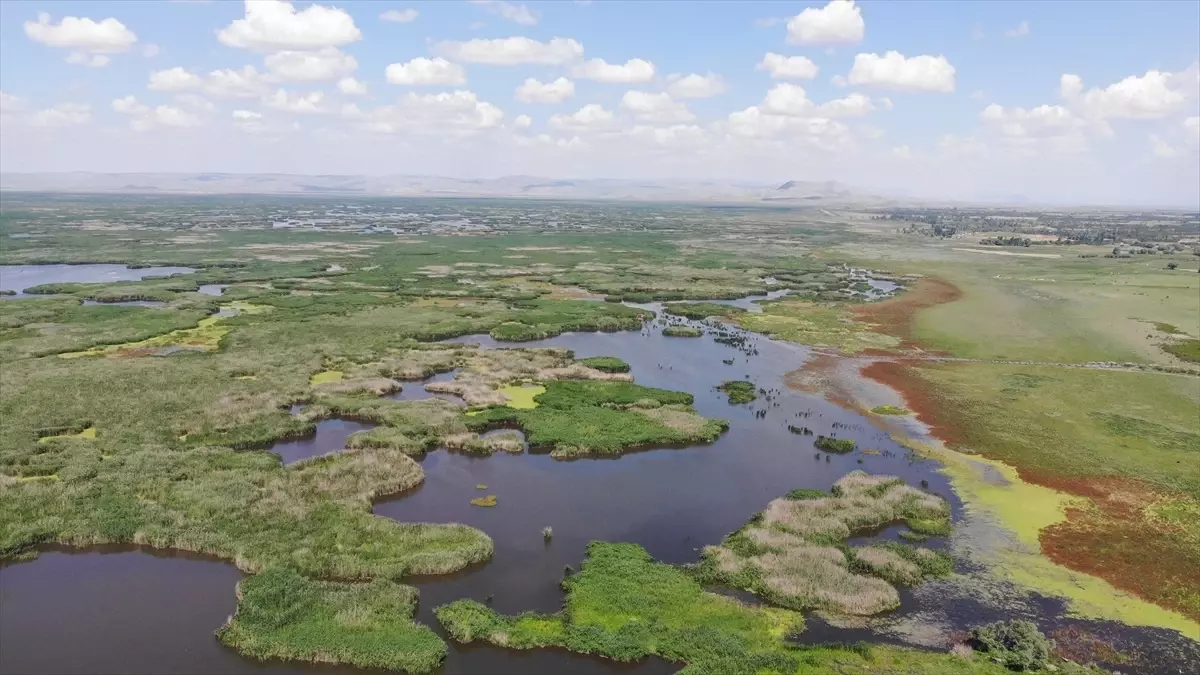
[351,477]
[792,553]
[485,372]
[376,386]
[888,565]
[502,441]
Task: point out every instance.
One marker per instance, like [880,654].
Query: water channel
[20,277]
[124,612]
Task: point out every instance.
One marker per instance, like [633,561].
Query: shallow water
[212,289]
[673,501]
[19,277]
[330,436]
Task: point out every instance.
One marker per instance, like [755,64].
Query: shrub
[1018,644]
[838,445]
[608,364]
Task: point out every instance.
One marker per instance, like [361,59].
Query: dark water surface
[19,277]
[131,612]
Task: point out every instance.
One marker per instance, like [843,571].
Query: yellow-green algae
[994,491]
[89,432]
[521,396]
[326,376]
[206,336]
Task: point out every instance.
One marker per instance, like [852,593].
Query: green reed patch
[607,364]
[739,391]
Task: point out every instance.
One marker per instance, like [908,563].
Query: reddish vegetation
[895,316]
[1077,644]
[1111,538]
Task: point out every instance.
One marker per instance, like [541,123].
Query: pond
[672,501]
[19,277]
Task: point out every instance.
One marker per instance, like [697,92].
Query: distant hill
[826,192]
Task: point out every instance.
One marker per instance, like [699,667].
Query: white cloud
[792,100]
[815,132]
[275,25]
[1191,130]
[11,103]
[838,23]
[1022,122]
[523,122]
[902,152]
[426,72]
[312,103]
[512,51]
[246,115]
[591,117]
[107,36]
[87,60]
[519,14]
[224,83]
[535,91]
[195,102]
[1019,31]
[143,118]
[657,108]
[150,51]
[400,15]
[63,115]
[894,71]
[321,65]
[632,71]
[351,86]
[1149,96]
[1161,148]
[788,67]
[696,86]
[459,112]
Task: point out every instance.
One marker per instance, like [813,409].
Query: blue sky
[973,104]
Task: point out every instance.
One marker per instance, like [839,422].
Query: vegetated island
[607,364]
[840,446]
[682,331]
[739,391]
[701,310]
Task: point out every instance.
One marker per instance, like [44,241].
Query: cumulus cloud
[696,86]
[657,108]
[321,65]
[523,122]
[792,100]
[632,71]
[1161,148]
[143,117]
[1019,31]
[276,25]
[459,113]
[535,91]
[246,82]
[1148,96]
[512,51]
[1046,127]
[838,23]
[312,103]
[63,115]
[519,14]
[783,67]
[899,73]
[1191,130]
[88,40]
[351,86]
[400,15]
[591,117]
[426,72]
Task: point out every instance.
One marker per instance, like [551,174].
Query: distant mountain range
[792,191]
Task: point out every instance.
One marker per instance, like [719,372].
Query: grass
[840,446]
[607,364]
[815,323]
[739,391]
[489,500]
[282,615]
[889,410]
[682,331]
[1188,350]
[625,606]
[702,310]
[603,417]
[794,553]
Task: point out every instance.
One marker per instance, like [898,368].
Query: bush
[1018,643]
[608,364]
[838,445]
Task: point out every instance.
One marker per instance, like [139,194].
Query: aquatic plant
[547,533]
[839,445]
[1017,643]
[282,615]
[740,391]
[607,364]
[489,500]
[682,331]
[793,553]
[889,410]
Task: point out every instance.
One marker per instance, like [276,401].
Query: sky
[1057,102]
